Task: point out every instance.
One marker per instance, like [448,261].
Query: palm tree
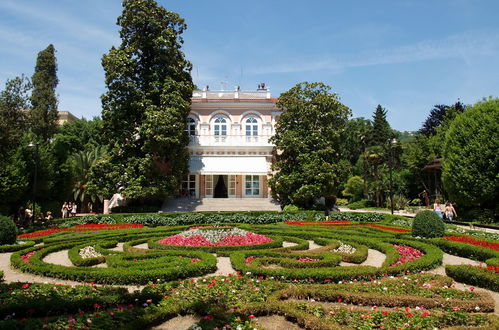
[83,161]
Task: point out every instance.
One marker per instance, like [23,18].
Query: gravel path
[374,258]
[276,322]
[58,258]
[288,244]
[142,246]
[119,247]
[312,245]
[178,323]
[224,267]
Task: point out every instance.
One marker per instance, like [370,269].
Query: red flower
[473,241]
[25,286]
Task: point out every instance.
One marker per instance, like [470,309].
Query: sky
[406,55]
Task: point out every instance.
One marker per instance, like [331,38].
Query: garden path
[276,322]
[374,258]
[178,322]
[58,258]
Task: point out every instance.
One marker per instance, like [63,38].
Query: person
[64,210]
[437,207]
[450,212]
[73,210]
[29,216]
[424,195]
[70,207]
[21,217]
[49,216]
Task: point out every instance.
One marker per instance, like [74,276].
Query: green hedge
[16,247]
[8,231]
[474,276]
[464,250]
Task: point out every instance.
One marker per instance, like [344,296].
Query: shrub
[354,188]
[8,231]
[480,215]
[291,208]
[341,201]
[400,202]
[363,203]
[428,225]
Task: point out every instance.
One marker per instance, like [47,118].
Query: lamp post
[35,145]
[391,143]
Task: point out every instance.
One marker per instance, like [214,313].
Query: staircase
[219,204]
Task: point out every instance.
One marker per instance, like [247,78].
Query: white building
[230,152]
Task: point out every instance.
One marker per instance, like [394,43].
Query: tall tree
[43,98]
[381,131]
[14,101]
[471,165]
[146,105]
[438,115]
[308,162]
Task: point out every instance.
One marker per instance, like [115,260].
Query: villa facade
[230,152]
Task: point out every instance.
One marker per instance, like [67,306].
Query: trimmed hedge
[8,231]
[474,276]
[427,224]
[16,247]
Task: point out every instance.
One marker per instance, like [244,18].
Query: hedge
[16,247]
[474,276]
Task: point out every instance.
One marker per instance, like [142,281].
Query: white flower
[385,288]
[89,252]
[477,308]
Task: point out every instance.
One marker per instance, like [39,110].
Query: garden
[249,270]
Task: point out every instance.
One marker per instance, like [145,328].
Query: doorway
[221,186]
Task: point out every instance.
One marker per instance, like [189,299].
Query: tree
[308,162]
[437,116]
[83,162]
[14,101]
[43,98]
[354,188]
[355,138]
[146,105]
[471,164]
[381,131]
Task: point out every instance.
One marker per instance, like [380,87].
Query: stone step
[219,204]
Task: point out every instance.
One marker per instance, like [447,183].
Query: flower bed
[89,252]
[473,241]
[86,227]
[343,224]
[215,237]
[345,248]
[407,254]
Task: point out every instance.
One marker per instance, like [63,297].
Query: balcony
[230,141]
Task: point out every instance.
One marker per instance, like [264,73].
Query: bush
[400,202]
[360,204]
[291,208]
[354,188]
[428,225]
[480,215]
[8,231]
[341,201]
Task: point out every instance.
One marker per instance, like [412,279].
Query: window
[189,186]
[191,126]
[209,185]
[251,126]
[220,127]
[252,185]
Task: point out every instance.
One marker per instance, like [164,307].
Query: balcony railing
[230,140]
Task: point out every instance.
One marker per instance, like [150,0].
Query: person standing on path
[64,210]
[73,210]
[450,212]
[437,207]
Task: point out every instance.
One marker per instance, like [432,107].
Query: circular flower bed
[212,236]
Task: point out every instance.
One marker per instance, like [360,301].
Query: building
[230,152]
[64,117]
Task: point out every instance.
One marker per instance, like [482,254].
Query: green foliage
[400,202]
[308,137]
[474,276]
[427,224]
[8,231]
[470,164]
[355,138]
[145,108]
[381,131]
[291,208]
[360,204]
[83,161]
[43,114]
[354,188]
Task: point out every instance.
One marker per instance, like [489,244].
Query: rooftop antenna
[224,83]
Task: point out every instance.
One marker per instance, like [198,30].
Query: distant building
[64,117]
[230,151]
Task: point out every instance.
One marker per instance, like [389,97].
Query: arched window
[220,126]
[251,126]
[191,126]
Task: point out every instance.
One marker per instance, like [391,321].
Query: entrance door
[252,186]
[221,187]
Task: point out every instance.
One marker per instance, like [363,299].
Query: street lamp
[35,145]
[391,143]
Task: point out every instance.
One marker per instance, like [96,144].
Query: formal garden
[249,270]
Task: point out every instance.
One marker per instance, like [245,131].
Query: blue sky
[405,55]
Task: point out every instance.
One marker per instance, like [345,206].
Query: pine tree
[381,131]
[146,105]
[43,98]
